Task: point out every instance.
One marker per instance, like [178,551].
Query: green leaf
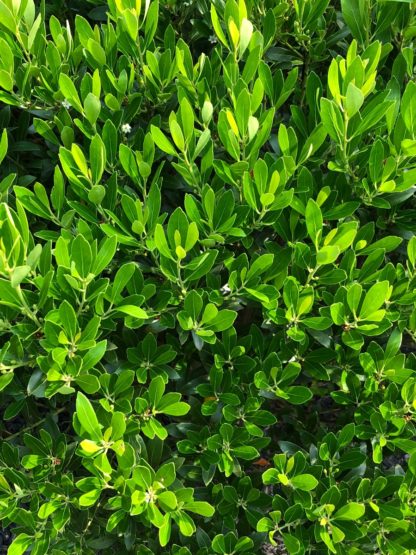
[165,530]
[90,498]
[175,409]
[332,120]
[408,108]
[292,544]
[187,118]
[68,320]
[18,274]
[313,143]
[246,32]
[92,108]
[177,135]
[69,91]
[412,463]
[353,339]
[372,114]
[317,322]
[162,141]
[105,255]
[8,20]
[200,266]
[217,26]
[97,52]
[350,511]
[201,508]
[97,158]
[246,452]
[304,482]
[374,299]
[327,255]
[223,320]
[356,16]
[131,22]
[298,394]
[387,243]
[3,145]
[88,383]
[202,142]
[161,243]
[156,390]
[115,519]
[87,417]
[242,112]
[167,500]
[411,251]
[131,310]
[260,265]
[5,379]
[81,256]
[167,473]
[314,221]
[193,304]
[185,523]
[94,355]
[23,541]
[109,136]
[354,100]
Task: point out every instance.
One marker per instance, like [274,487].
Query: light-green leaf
[69,91]
[217,26]
[20,544]
[304,482]
[408,108]
[374,299]
[87,417]
[161,243]
[3,145]
[162,141]
[327,255]
[97,158]
[201,508]
[354,100]
[351,511]
[134,311]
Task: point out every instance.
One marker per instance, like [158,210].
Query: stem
[83,299]
[32,426]
[312,274]
[180,281]
[305,73]
[26,307]
[191,170]
[345,144]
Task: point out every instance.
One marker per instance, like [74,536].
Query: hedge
[207,277]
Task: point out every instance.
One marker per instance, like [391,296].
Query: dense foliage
[207,276]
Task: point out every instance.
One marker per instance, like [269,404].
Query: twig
[28,428]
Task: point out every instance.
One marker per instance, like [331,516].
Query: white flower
[126,128]
[66,104]
[212,39]
[225,289]
[150,496]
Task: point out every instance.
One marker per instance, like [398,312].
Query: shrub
[207,276]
